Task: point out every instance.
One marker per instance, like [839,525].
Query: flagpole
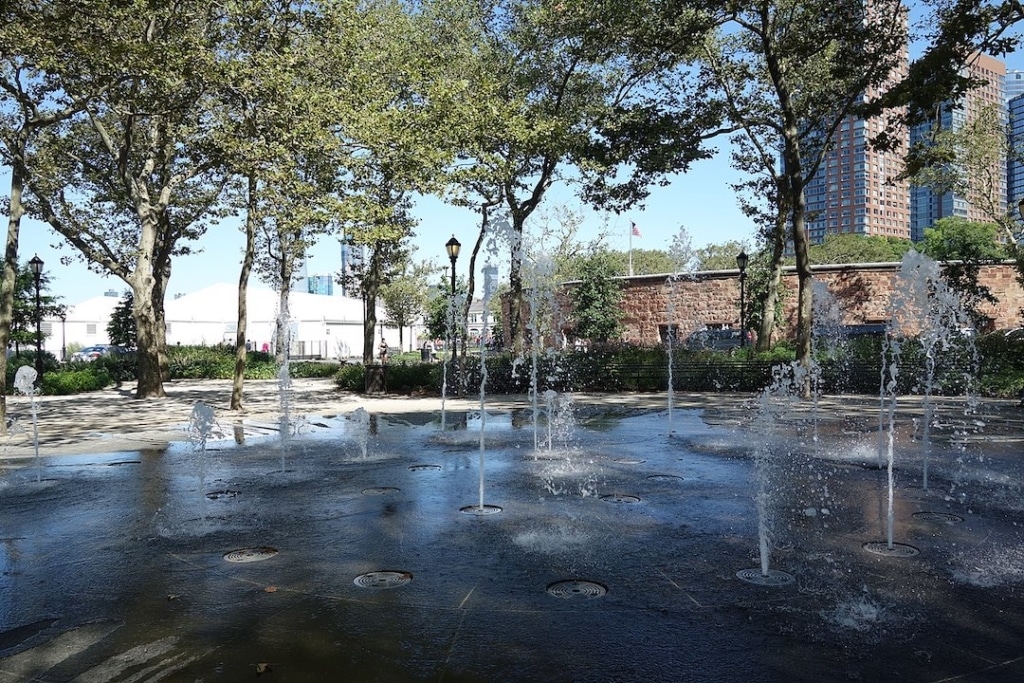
[631,250]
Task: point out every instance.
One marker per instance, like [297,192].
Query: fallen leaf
[270,589]
[172,597]
[263,668]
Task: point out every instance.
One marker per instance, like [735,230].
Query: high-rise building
[982,199]
[320,284]
[1014,165]
[1014,84]
[856,189]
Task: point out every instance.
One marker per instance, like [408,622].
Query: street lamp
[63,335]
[1020,208]
[452,246]
[741,263]
[36,266]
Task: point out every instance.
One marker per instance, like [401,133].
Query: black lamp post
[36,266]
[452,246]
[741,263]
[63,335]
[1020,208]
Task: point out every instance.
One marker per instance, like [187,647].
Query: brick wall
[712,298]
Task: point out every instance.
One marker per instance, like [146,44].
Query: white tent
[321,326]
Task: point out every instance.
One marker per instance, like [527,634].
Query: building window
[90,328]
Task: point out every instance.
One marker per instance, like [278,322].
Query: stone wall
[711,299]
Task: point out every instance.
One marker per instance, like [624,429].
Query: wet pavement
[357,548]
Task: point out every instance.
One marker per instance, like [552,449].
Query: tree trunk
[9,278]
[771,297]
[282,338]
[471,284]
[371,290]
[369,327]
[804,292]
[147,322]
[516,331]
[241,348]
[369,319]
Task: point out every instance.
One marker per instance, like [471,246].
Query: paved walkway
[113,420]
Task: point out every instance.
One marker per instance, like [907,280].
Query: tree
[718,256]
[957,30]
[548,86]
[35,39]
[595,300]
[121,328]
[274,119]
[851,248]
[790,72]
[136,178]
[970,161]
[438,316]
[965,246]
[392,103]
[405,297]
[23,316]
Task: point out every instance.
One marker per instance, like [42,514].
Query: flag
[636,230]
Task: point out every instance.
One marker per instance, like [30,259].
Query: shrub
[28,358]
[351,378]
[75,381]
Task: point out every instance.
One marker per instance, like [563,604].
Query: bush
[351,378]
[65,382]
[218,362]
[1002,365]
[28,359]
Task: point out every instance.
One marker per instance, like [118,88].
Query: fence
[719,375]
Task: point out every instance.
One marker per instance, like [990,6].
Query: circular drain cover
[480,509]
[217,495]
[382,579]
[664,477]
[774,577]
[576,589]
[379,490]
[938,517]
[251,554]
[896,550]
[629,461]
[424,468]
[619,498]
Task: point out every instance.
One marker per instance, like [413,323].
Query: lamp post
[63,335]
[741,263]
[36,266]
[452,246]
[1020,208]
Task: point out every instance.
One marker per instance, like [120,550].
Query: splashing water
[25,382]
[923,307]
[201,424]
[682,256]
[360,421]
[774,402]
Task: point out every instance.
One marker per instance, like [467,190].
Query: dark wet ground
[112,566]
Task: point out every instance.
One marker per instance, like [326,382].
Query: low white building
[321,326]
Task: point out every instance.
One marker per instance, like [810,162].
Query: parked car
[714,339]
[91,353]
[865,330]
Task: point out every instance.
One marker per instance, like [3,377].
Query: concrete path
[113,420]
